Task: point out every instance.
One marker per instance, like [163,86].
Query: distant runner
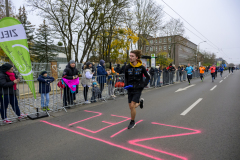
[212,69]
[189,70]
[201,71]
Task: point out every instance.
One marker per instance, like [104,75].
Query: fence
[22,100]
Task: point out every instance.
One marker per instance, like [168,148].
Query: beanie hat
[94,83]
[5,67]
[71,61]
[102,62]
[43,72]
[87,64]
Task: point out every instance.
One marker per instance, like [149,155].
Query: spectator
[158,71]
[44,89]
[71,73]
[180,71]
[87,80]
[171,69]
[118,69]
[123,68]
[94,69]
[8,89]
[152,80]
[101,73]
[110,82]
[95,92]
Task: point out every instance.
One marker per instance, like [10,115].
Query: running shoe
[131,125]
[21,116]
[189,83]
[87,102]
[7,121]
[141,103]
[48,108]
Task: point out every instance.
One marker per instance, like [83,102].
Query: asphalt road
[197,122]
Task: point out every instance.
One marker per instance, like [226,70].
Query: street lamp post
[198,46]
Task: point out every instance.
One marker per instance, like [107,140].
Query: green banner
[13,41]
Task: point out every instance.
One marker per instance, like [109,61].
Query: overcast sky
[217,20]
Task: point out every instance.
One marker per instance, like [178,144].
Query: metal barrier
[23,102]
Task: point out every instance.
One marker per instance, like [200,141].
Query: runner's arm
[126,77]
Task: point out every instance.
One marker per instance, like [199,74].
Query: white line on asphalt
[225,77]
[191,107]
[213,88]
[183,89]
[221,81]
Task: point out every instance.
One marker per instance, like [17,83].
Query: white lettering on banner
[11,33]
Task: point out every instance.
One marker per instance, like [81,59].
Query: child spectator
[109,83]
[44,89]
[95,92]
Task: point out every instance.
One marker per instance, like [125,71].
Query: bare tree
[148,15]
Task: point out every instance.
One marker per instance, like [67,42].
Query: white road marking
[225,77]
[191,107]
[183,89]
[221,81]
[213,88]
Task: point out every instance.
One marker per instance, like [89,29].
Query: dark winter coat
[69,72]
[94,70]
[171,68]
[6,85]
[44,84]
[134,77]
[180,70]
[123,68]
[118,69]
[158,71]
[152,71]
[101,73]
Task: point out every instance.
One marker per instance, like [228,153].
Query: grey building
[180,49]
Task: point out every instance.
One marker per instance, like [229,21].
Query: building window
[169,39]
[160,48]
[169,47]
[165,40]
[146,49]
[160,40]
[165,48]
[156,48]
[151,41]
[156,41]
[151,48]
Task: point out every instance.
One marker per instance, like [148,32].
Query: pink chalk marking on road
[123,130]
[104,141]
[134,142]
[111,124]
[99,114]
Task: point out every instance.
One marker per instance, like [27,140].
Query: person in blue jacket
[101,76]
[189,71]
[221,69]
[44,89]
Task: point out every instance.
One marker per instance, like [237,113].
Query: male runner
[212,69]
[134,83]
[201,71]
[189,70]
[221,69]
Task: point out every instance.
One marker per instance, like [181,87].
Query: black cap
[5,67]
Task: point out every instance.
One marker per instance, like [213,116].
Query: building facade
[180,49]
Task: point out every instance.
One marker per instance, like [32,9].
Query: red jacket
[212,69]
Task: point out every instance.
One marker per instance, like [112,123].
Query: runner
[216,70]
[134,83]
[221,69]
[201,71]
[189,70]
[212,69]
